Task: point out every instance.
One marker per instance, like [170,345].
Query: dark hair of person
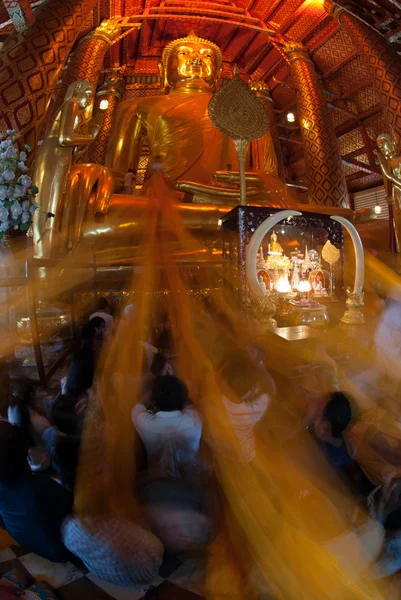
[131,171]
[90,328]
[102,304]
[22,390]
[63,415]
[13,452]
[65,462]
[164,341]
[239,371]
[158,363]
[338,413]
[169,393]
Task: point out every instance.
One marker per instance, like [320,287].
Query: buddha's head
[387,145]
[191,63]
[82,92]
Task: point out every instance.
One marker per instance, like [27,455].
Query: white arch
[359,255]
[254,244]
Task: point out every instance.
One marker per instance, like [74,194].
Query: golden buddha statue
[190,154]
[71,131]
[390,164]
[274,246]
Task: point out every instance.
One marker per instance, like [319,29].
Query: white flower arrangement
[17,194]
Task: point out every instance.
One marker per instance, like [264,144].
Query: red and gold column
[112,91]
[324,169]
[87,60]
[380,58]
[30,65]
[261,149]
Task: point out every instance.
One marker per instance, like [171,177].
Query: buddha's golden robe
[179,130]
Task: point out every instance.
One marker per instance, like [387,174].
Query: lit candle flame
[283,285]
[304,286]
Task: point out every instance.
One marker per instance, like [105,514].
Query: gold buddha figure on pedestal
[192,155]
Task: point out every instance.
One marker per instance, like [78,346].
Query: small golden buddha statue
[274,246]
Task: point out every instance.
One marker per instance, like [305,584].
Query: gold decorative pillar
[112,91]
[324,169]
[30,65]
[381,59]
[20,13]
[87,60]
[266,153]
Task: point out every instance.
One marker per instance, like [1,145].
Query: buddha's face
[387,146]
[85,97]
[193,64]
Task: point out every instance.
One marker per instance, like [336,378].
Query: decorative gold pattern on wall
[87,60]
[324,171]
[30,65]
[381,60]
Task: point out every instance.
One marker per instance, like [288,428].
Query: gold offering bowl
[315,316]
[53,321]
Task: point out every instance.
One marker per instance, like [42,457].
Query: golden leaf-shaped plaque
[330,253]
[237,112]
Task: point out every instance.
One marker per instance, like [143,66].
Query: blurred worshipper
[20,414]
[214,329]
[169,417]
[160,367]
[385,502]
[382,380]
[178,512]
[162,335]
[83,365]
[129,181]
[257,354]
[103,310]
[388,337]
[114,549]
[372,440]
[128,311]
[244,398]
[150,349]
[329,426]
[32,506]
[62,438]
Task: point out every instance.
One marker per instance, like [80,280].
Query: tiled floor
[176,581]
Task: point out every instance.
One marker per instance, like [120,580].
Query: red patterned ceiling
[237,27]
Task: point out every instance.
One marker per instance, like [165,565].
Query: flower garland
[17,194]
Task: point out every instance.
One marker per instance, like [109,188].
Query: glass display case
[300,259]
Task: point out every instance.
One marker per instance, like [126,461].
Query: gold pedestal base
[353,315]
[264,309]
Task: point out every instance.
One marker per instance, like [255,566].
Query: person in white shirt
[103,311]
[129,181]
[171,421]
[243,398]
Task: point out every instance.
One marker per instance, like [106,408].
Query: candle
[304,286]
[283,285]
